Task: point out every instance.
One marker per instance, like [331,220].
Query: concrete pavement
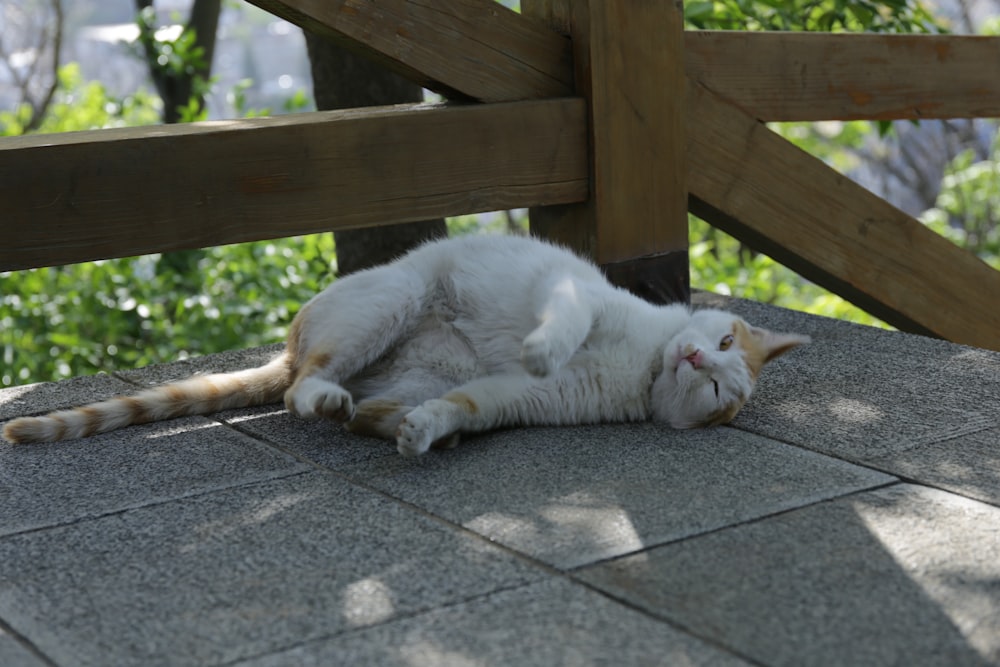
[849,516]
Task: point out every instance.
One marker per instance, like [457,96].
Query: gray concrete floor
[849,516]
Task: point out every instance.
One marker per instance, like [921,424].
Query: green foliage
[177,59]
[84,105]
[75,320]
[719,263]
[906,16]
[66,321]
[968,206]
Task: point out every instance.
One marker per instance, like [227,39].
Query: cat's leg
[480,405]
[343,330]
[378,418]
[565,319]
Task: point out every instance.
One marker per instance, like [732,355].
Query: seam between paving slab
[569,574]
[26,644]
[876,468]
[416,613]
[155,502]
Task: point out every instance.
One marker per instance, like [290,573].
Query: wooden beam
[113,193]
[475,49]
[780,200]
[629,65]
[819,76]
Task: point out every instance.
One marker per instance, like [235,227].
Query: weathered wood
[778,199]
[474,49]
[113,193]
[820,76]
[658,279]
[629,65]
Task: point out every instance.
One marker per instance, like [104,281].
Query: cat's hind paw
[313,398]
[412,437]
[422,428]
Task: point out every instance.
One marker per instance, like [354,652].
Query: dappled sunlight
[581,516]
[504,528]
[565,524]
[11,394]
[854,411]
[367,601]
[960,579]
[260,513]
[424,653]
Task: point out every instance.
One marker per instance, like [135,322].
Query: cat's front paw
[312,398]
[538,356]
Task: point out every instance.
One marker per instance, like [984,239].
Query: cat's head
[710,367]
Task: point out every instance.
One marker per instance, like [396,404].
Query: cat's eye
[716,385]
[726,343]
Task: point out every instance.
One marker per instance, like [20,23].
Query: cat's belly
[433,359]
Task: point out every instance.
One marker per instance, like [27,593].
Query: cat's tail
[197,395]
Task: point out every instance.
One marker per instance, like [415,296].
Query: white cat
[468,335]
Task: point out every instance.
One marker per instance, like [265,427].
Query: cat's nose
[695,358]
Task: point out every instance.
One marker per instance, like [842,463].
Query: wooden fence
[604,116]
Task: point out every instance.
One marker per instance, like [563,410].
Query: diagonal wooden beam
[821,76]
[475,49]
[780,200]
[123,192]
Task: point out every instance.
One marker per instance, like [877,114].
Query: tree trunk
[176,88]
[342,80]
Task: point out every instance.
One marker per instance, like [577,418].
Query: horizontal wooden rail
[113,193]
[753,184]
[486,52]
[475,49]
[820,76]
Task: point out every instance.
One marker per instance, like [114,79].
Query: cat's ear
[775,344]
[761,346]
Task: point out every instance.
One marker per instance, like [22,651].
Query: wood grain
[113,193]
[780,200]
[819,76]
[629,66]
[476,49]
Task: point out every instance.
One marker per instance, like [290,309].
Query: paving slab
[238,573]
[969,465]
[34,399]
[550,623]
[904,575]
[222,362]
[14,654]
[571,496]
[869,395]
[320,441]
[62,482]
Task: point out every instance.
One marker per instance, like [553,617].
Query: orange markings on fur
[723,416]
[314,364]
[61,433]
[376,418]
[755,351]
[140,415]
[294,344]
[92,419]
[463,401]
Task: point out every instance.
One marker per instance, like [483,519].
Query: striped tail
[195,396]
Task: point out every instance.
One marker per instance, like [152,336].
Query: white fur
[487,331]
[468,335]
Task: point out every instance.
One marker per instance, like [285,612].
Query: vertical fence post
[629,66]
